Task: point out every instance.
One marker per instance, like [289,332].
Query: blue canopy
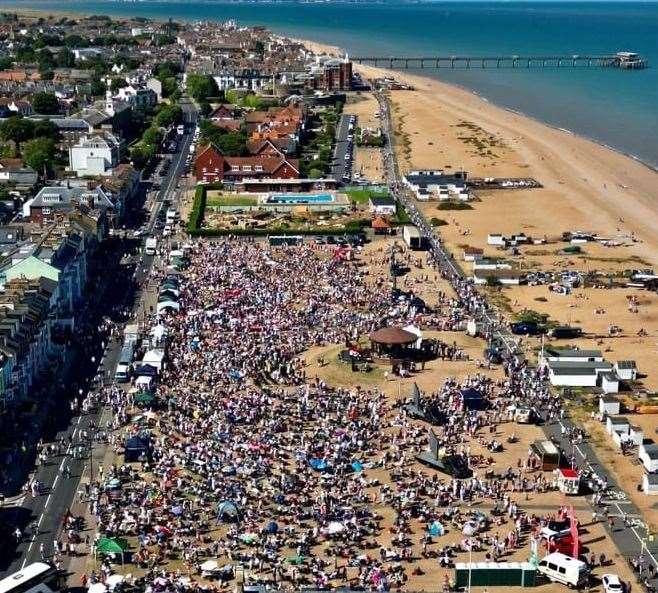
[272,528]
[318,464]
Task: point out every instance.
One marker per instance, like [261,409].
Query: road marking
[79,418]
[39,522]
[47,499]
[54,483]
[61,465]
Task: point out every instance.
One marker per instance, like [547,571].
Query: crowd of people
[251,464]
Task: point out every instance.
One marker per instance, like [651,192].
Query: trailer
[413,238]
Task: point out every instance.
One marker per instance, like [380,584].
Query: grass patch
[454,205]
[361,196]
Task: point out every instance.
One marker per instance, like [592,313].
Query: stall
[547,454]
[568,481]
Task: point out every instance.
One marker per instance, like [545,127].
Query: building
[626,370]
[436,185]
[16,172]
[571,355]
[382,205]
[648,454]
[95,155]
[212,166]
[576,374]
[609,405]
[650,484]
[139,98]
[498,276]
[54,200]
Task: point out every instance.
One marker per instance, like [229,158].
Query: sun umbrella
[248,538]
[177,510]
[97,588]
[113,483]
[357,467]
[295,560]
[436,529]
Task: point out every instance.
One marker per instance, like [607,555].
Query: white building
[650,484]
[648,455]
[136,96]
[609,406]
[626,370]
[576,374]
[95,155]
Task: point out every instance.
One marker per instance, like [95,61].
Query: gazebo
[393,342]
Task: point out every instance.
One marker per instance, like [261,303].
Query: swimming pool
[301,198]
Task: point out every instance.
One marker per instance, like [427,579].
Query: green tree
[116,84]
[65,58]
[17,130]
[40,154]
[6,63]
[45,103]
[75,41]
[97,87]
[26,55]
[44,128]
[201,86]
[168,115]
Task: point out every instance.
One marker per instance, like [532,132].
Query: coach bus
[38,577]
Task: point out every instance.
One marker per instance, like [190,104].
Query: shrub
[454,205]
[437,221]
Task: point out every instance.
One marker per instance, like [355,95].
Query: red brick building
[212,166]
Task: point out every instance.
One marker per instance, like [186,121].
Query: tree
[168,115]
[116,84]
[6,63]
[205,107]
[97,87]
[45,103]
[44,128]
[40,154]
[65,58]
[202,86]
[46,61]
[16,130]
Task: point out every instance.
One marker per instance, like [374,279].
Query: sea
[615,107]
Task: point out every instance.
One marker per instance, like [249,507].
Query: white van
[560,568]
[122,373]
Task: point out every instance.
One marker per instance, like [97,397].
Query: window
[235,167]
[246,167]
[561,569]
[258,167]
[552,566]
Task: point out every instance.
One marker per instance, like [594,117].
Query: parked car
[612,583]
[525,328]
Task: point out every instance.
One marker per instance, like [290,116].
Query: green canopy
[144,397]
[111,545]
[296,560]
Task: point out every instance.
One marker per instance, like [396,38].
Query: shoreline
[35,12]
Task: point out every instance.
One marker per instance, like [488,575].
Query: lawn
[361,196]
[215,199]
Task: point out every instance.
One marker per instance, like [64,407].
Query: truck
[172,215]
[180,130]
[150,246]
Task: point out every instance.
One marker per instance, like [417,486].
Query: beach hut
[650,484]
[648,454]
[636,434]
[626,370]
[609,405]
[617,424]
[155,358]
[609,383]
[568,481]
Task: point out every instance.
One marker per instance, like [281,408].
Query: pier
[620,60]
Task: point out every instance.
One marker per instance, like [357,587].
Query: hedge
[198,210]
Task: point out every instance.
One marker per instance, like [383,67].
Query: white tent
[144,382]
[154,358]
[97,588]
[167,305]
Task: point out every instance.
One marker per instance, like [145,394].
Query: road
[47,510]
[341,148]
[631,541]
